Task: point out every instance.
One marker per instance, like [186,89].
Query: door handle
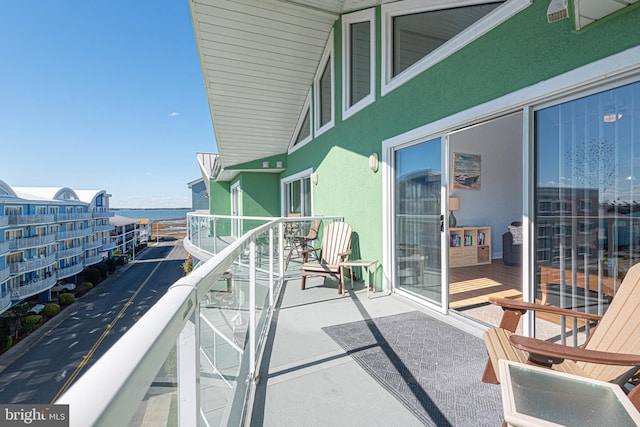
[442,223]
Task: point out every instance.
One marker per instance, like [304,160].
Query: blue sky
[102,95]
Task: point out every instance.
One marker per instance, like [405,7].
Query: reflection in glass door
[417,251]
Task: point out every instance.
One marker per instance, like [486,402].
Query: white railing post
[188,369]
[281,248]
[271,267]
[252,307]
[215,237]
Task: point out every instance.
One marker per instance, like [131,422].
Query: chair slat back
[336,239]
[619,329]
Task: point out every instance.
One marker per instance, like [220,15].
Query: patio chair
[335,248]
[300,243]
[611,353]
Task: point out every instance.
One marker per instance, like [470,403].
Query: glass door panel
[418,247]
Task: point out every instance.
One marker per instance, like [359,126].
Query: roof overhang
[589,11]
[258,60]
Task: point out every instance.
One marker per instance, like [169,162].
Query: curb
[18,350]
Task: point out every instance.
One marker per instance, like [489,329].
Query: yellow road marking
[86,357]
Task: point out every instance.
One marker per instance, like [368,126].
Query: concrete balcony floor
[308,379]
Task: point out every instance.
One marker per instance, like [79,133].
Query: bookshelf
[469,246]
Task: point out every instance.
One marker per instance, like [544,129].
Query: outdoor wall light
[373,162]
[314,178]
[279,165]
[265,165]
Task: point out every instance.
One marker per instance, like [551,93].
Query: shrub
[51,310]
[117,252]
[8,343]
[103,269]
[111,265]
[66,299]
[32,322]
[92,275]
[188,265]
[87,285]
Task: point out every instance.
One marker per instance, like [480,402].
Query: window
[418,34]
[358,73]
[302,133]
[297,194]
[324,90]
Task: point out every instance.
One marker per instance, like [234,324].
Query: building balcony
[4,221]
[31,242]
[73,234]
[4,247]
[102,213]
[91,260]
[93,244]
[70,252]
[33,287]
[70,271]
[31,219]
[32,264]
[5,303]
[5,273]
[74,216]
[103,228]
[108,245]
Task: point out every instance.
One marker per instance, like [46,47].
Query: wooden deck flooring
[469,286]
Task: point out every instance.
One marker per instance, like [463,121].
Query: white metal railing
[70,271]
[73,216]
[30,219]
[33,287]
[73,234]
[94,259]
[69,252]
[108,245]
[94,244]
[219,313]
[32,264]
[31,242]
[5,273]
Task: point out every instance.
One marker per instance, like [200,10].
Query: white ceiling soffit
[588,11]
[258,60]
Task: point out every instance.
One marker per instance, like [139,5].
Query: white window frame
[347,20]
[483,26]
[283,189]
[327,57]
[613,71]
[307,107]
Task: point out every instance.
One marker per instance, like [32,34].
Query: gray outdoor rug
[433,368]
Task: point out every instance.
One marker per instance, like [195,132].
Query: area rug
[431,367]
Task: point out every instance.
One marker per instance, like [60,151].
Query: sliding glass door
[587,200]
[417,220]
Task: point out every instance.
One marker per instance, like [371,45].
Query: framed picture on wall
[466,171]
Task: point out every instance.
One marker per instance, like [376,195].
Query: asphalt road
[94,323]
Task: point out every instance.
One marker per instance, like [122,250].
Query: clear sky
[102,95]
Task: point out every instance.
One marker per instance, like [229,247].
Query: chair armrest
[305,253]
[345,253]
[509,304]
[549,350]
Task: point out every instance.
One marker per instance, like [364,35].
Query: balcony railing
[31,242]
[91,260]
[102,213]
[31,264]
[70,252]
[209,328]
[4,247]
[33,287]
[70,271]
[5,302]
[73,216]
[4,221]
[102,228]
[108,245]
[31,219]
[73,234]
[5,273]
[93,244]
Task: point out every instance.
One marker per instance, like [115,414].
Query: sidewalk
[20,348]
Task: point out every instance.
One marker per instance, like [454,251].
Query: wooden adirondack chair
[612,352]
[335,248]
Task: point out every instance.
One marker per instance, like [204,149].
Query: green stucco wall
[260,195]
[219,199]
